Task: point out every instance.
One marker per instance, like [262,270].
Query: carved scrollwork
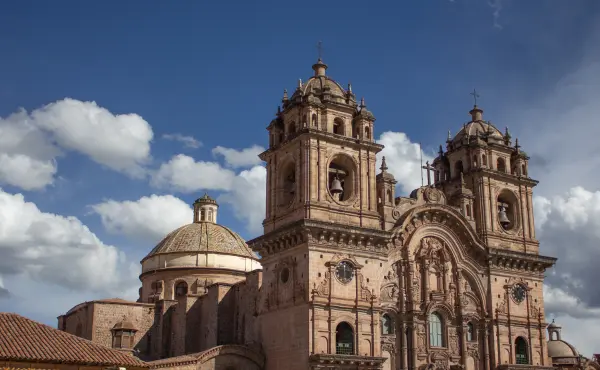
[322,289]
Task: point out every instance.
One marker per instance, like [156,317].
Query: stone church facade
[350,276]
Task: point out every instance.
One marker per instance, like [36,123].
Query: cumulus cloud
[26,154]
[247,197]
[403,159]
[38,245]
[147,219]
[31,142]
[184,174]
[118,141]
[240,158]
[187,141]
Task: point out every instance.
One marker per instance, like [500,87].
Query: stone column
[425,278]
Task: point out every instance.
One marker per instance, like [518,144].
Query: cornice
[327,136]
[328,361]
[321,233]
[508,259]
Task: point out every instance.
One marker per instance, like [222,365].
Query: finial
[320,50]
[299,83]
[441,151]
[384,166]
[517,146]
[506,133]
[349,87]
[449,137]
[362,103]
[475,96]
[278,110]
[285,94]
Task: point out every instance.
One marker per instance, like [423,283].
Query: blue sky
[215,71]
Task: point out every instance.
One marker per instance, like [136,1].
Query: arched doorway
[521,352]
[344,339]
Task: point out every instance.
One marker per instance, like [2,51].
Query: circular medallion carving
[432,195]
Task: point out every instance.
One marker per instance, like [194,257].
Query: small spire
[362,103]
[299,83]
[285,95]
[441,151]
[278,110]
[517,146]
[506,133]
[384,166]
[449,139]
[349,87]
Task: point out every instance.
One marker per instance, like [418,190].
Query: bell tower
[321,156]
[484,174]
[323,241]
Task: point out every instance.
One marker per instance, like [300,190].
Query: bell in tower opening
[341,178]
[502,217]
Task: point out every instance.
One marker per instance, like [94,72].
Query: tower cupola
[205,209]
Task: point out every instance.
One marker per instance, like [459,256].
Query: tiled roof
[203,237]
[22,339]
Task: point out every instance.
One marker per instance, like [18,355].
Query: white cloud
[56,250]
[187,141]
[26,172]
[579,322]
[247,198]
[147,219]
[184,174]
[26,154]
[118,141]
[240,158]
[403,159]
[30,143]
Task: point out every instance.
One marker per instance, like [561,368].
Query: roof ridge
[52,344]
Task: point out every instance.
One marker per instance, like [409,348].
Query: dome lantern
[205,209]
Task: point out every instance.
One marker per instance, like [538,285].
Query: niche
[341,178]
[287,184]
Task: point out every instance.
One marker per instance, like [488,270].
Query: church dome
[477,126]
[560,348]
[320,88]
[201,244]
[202,237]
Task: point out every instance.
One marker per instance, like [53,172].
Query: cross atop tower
[320,49]
[475,96]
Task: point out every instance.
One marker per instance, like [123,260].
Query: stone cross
[429,168]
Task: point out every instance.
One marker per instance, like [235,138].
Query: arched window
[304,121]
[181,289]
[202,215]
[210,215]
[468,210]
[470,332]
[521,352]
[367,133]
[523,170]
[387,325]
[501,165]
[484,160]
[458,168]
[314,120]
[475,161]
[435,330]
[292,128]
[344,339]
[338,127]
